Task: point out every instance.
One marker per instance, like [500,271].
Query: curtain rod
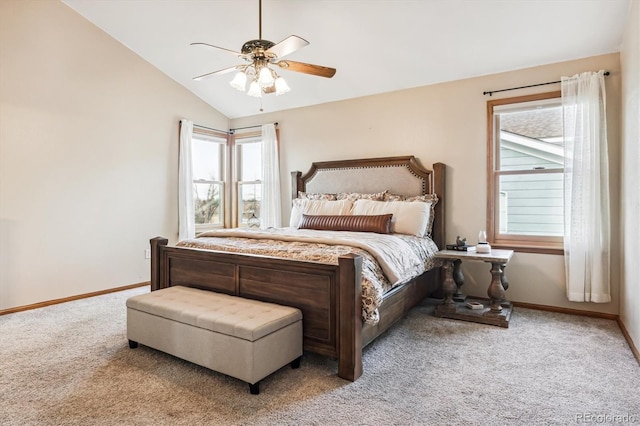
[226,132]
[248,127]
[524,87]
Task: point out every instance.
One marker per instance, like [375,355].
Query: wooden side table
[498,310]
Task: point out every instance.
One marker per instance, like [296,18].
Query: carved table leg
[503,279]
[449,285]
[505,284]
[496,291]
[458,277]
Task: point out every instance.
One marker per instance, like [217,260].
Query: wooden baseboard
[566,310]
[69,299]
[627,336]
[614,317]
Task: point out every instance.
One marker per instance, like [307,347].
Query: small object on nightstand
[474,305]
[482,237]
[483,248]
[460,248]
[460,245]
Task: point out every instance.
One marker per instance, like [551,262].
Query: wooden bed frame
[329,296]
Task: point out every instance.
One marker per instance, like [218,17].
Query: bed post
[156,244]
[296,184]
[439,236]
[350,317]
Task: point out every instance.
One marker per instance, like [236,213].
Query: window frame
[517,242]
[224,174]
[236,161]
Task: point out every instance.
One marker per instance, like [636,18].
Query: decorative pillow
[408,217]
[380,224]
[317,196]
[426,198]
[353,196]
[433,198]
[388,196]
[317,207]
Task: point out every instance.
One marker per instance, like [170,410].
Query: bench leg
[296,362]
[255,388]
[133,344]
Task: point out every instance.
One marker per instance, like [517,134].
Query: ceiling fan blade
[232,52]
[288,45]
[219,72]
[307,68]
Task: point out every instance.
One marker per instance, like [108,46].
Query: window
[209,158]
[525,173]
[227,178]
[248,175]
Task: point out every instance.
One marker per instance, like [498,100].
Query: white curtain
[270,207]
[586,188]
[186,216]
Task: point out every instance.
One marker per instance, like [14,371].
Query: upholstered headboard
[398,175]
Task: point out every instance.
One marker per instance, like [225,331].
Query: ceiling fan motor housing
[257,48]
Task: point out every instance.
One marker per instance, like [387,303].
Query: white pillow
[317,207]
[408,217]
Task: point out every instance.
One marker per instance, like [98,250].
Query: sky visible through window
[206,160]
[251,161]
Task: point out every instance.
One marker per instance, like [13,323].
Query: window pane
[249,201]
[251,161]
[207,201]
[531,204]
[206,159]
[530,137]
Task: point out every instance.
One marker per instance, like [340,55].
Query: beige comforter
[388,259]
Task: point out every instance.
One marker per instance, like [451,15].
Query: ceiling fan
[259,56]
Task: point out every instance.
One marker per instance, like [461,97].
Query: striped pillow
[380,224]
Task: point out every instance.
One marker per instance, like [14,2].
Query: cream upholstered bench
[243,338]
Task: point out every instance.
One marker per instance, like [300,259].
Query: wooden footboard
[329,296]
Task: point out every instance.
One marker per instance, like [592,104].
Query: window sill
[551,248]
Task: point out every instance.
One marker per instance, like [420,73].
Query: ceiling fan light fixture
[254,89]
[239,81]
[265,77]
[281,86]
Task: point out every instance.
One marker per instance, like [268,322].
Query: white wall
[630,284]
[447,123]
[88,155]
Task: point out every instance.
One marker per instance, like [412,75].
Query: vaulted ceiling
[377,46]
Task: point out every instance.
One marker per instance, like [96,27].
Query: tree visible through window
[525,207]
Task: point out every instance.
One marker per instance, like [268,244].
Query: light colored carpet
[70,364]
